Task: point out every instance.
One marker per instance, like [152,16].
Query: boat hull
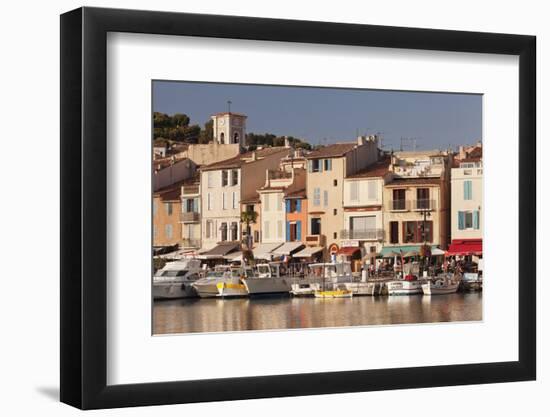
[206,290]
[258,286]
[333,294]
[168,291]
[432,289]
[404,287]
[228,289]
[304,290]
[366,288]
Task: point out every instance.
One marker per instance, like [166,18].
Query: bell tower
[229,128]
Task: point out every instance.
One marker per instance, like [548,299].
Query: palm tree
[248,217]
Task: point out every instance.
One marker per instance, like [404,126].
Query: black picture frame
[84,207]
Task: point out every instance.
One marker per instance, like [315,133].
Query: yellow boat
[333,294]
[231,289]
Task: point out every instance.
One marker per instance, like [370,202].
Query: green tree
[248,217]
[207,134]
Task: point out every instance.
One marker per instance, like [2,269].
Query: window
[223,229]
[398,202]
[190,205]
[208,232]
[168,208]
[335,211]
[210,176]
[234,231]
[224,204]
[335,235]
[417,232]
[315,165]
[209,201]
[328,165]
[266,202]
[371,190]
[335,183]
[222,137]
[394,232]
[325,198]
[316,196]
[468,190]
[468,220]
[256,235]
[234,177]
[234,205]
[236,137]
[315,226]
[279,229]
[354,191]
[250,208]
[423,198]
[266,230]
[224,178]
[168,231]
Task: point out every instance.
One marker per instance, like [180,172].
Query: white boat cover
[263,250]
[307,252]
[287,248]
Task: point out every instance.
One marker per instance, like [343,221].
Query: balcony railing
[190,189]
[400,205]
[315,240]
[362,234]
[191,243]
[424,204]
[189,216]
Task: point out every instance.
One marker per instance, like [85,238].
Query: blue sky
[326,115]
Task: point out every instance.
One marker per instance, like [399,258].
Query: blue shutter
[329,164]
[467,190]
[298,229]
[298,206]
[287,202]
[476,219]
[287,231]
[460,220]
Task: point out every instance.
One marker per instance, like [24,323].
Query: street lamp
[425,214]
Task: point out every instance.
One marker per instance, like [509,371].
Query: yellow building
[327,168]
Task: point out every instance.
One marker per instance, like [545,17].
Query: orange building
[166,216]
[296,215]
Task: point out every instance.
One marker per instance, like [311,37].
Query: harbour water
[216,315]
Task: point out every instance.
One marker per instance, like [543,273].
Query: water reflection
[215,315]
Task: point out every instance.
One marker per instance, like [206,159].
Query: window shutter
[298,229]
[330,164]
[467,190]
[476,219]
[287,206]
[320,165]
[460,220]
[287,231]
[310,165]
[299,206]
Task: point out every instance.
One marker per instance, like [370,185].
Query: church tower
[229,128]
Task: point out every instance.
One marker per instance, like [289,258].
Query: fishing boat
[410,285]
[209,287]
[472,281]
[334,276]
[304,289]
[267,280]
[175,279]
[233,286]
[443,285]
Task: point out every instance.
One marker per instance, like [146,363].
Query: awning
[307,252]
[348,250]
[402,249]
[287,248]
[220,250]
[466,247]
[234,257]
[263,250]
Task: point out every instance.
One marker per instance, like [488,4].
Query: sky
[328,115]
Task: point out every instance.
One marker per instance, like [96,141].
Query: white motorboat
[366,288]
[442,285]
[267,280]
[333,277]
[304,289]
[232,285]
[212,284]
[409,286]
[175,279]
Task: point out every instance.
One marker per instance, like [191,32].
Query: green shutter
[476,219]
[298,230]
[460,220]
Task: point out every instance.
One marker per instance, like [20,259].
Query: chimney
[360,140]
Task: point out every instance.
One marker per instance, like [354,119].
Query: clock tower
[229,128]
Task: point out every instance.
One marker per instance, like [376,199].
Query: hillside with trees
[176,128]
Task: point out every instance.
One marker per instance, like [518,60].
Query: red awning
[466,247]
[348,250]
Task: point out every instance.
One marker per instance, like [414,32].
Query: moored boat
[175,279]
[267,280]
[440,286]
[336,293]
[408,286]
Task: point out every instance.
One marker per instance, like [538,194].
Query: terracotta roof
[296,193]
[330,151]
[171,192]
[378,169]
[414,181]
[242,159]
